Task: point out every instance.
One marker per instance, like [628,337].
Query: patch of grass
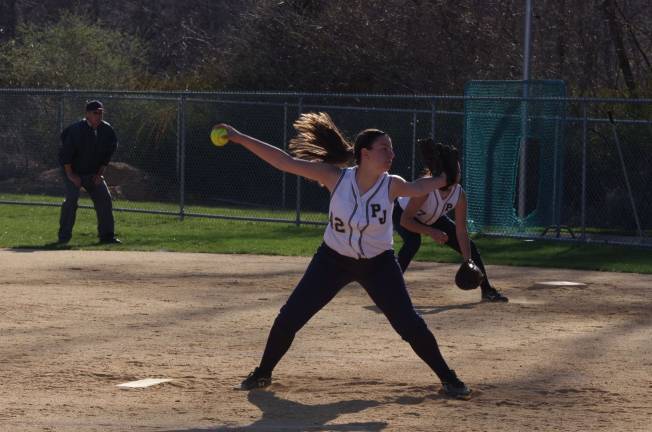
[36,227]
[23,226]
[548,253]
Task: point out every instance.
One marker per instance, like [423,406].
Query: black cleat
[456,388]
[256,380]
[493,296]
[110,240]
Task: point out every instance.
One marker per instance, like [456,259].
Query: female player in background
[357,241]
[427,215]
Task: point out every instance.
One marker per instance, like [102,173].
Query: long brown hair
[319,139]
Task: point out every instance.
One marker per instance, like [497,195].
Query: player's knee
[71,202]
[411,328]
[289,322]
[412,243]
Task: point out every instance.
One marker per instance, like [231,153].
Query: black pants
[101,201]
[412,242]
[380,276]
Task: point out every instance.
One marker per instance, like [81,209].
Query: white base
[552,284]
[147,382]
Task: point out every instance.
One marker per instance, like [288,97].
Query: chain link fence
[165,163]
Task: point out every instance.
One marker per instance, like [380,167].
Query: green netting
[493,129]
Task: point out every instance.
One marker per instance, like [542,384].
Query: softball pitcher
[357,242]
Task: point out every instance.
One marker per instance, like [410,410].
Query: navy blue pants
[381,277]
[412,242]
[101,201]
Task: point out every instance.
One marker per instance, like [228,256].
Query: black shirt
[85,148]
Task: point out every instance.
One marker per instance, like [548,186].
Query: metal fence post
[583,205]
[285,141]
[297,219]
[626,175]
[181,143]
[62,107]
[522,168]
[414,144]
[556,171]
[433,113]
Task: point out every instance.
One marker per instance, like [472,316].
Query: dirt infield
[74,324]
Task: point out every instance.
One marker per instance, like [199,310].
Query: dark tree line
[599,47]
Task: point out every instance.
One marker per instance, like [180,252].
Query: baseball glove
[469,276]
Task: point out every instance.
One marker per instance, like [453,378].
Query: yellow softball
[219,136]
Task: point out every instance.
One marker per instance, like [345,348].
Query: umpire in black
[87,147]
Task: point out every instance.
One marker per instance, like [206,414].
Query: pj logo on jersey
[376,212]
[375,208]
[421,213]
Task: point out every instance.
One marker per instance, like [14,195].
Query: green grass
[548,253]
[31,227]
[36,227]
[189,208]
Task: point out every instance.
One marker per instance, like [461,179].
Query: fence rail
[166,165]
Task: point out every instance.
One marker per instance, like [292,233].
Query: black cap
[94,105]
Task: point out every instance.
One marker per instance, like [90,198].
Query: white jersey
[360,226]
[434,206]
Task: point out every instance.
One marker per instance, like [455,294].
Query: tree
[71,52]
[615,29]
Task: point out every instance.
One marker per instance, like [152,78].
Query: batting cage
[513,154]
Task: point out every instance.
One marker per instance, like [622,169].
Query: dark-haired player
[427,215]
